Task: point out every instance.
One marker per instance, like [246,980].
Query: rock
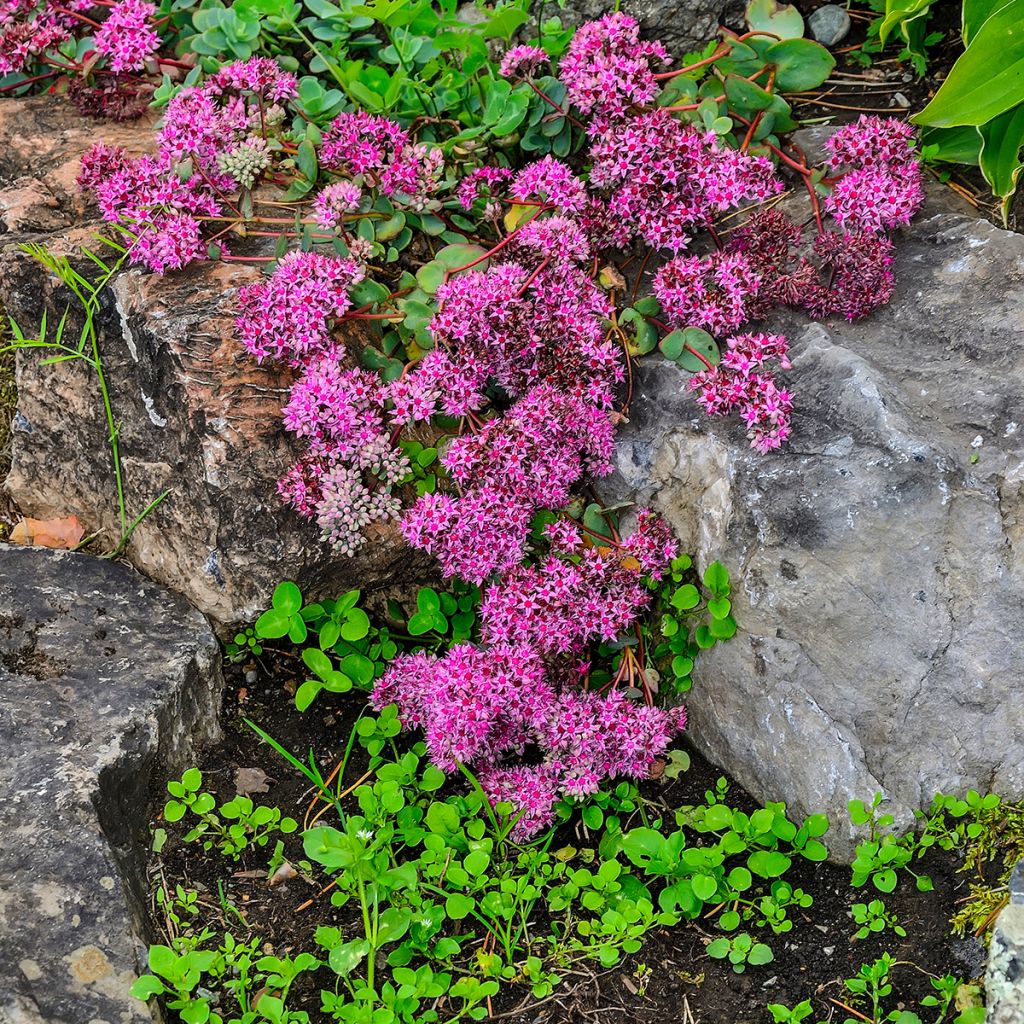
[197,415]
[829,24]
[110,684]
[878,557]
[1004,977]
[681,27]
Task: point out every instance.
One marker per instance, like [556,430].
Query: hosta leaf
[987,79]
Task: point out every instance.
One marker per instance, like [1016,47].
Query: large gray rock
[109,683]
[878,557]
[196,415]
[682,27]
[1004,977]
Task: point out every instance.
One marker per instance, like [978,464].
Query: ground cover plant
[462,255]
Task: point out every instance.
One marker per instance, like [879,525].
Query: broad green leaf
[1001,142]
[344,959]
[699,349]
[899,14]
[960,145]
[974,14]
[800,64]
[987,79]
[781,20]
[287,598]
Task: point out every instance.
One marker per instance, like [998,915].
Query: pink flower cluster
[739,383]
[515,465]
[522,61]
[377,151]
[664,180]
[580,593]
[608,68]
[338,413]
[216,132]
[478,706]
[31,28]
[712,292]
[127,37]
[288,315]
[883,190]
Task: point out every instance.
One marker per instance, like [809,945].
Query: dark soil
[670,979]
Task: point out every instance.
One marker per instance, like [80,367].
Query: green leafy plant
[782,1014]
[231,828]
[881,857]
[692,618]
[905,21]
[60,348]
[873,918]
[977,115]
[741,951]
[256,986]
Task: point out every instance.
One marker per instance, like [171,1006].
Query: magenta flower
[127,37]
[608,69]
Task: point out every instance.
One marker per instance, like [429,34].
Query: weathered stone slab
[1004,978]
[197,415]
[682,27]
[878,556]
[109,683]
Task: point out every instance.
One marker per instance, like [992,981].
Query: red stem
[721,51]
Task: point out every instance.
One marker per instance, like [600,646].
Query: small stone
[251,676]
[829,24]
[899,100]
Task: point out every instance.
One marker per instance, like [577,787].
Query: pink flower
[738,383]
[875,200]
[522,61]
[127,36]
[607,67]
[289,314]
[711,292]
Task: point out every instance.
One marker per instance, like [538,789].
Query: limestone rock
[878,557]
[682,27]
[109,685]
[1004,978]
[197,415]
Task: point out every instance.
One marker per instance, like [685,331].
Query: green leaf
[699,349]
[704,887]
[393,924]
[899,15]
[476,862]
[686,597]
[719,607]
[801,64]
[768,863]
[782,20]
[987,79]
[716,579]
[884,881]
[316,661]
[174,811]
[356,626]
[999,158]
[344,959]
[306,693]
[458,906]
[287,598]
[672,345]
[760,954]
[974,14]
[273,624]
[146,987]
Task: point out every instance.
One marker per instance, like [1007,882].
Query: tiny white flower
[365,834]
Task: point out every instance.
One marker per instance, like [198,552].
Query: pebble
[251,677]
[829,24]
[900,100]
